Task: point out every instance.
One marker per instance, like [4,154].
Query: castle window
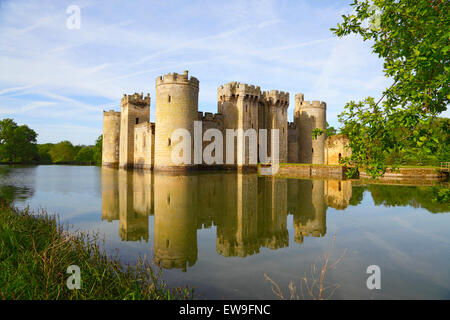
[340,156]
[169,99]
[170,142]
[312,150]
[168,199]
[137,120]
[339,186]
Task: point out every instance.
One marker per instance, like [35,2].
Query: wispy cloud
[59,80]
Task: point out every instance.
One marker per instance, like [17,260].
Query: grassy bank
[35,252]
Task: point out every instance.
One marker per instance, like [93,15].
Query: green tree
[331,131]
[62,152]
[98,150]
[412,37]
[44,153]
[17,143]
[85,155]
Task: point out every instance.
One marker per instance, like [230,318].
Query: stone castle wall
[176,107]
[336,148]
[144,145]
[276,105]
[135,109]
[309,116]
[131,141]
[292,143]
[111,138]
[238,103]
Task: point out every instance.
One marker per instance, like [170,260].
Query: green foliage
[90,154]
[416,197]
[316,132]
[412,37]
[35,252]
[98,150]
[85,156]
[44,153]
[62,152]
[17,143]
[331,131]
[357,195]
[430,145]
[66,153]
[441,195]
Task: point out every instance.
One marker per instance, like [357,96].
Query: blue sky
[58,80]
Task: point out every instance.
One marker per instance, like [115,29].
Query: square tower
[135,109]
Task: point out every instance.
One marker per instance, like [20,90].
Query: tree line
[18,144]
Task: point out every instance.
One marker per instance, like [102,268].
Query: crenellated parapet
[176,78]
[111,113]
[136,99]
[236,89]
[313,104]
[275,97]
[299,98]
[209,116]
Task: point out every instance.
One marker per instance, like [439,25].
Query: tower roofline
[176,78]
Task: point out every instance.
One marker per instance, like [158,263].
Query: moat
[221,232]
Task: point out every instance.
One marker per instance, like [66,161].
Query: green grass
[35,251]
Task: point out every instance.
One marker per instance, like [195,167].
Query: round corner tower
[111,138]
[176,108]
[309,116]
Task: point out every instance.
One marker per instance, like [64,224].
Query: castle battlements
[111,113]
[136,99]
[247,90]
[176,78]
[313,104]
[299,98]
[234,88]
[209,116]
[277,97]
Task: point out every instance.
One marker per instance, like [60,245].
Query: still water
[221,232]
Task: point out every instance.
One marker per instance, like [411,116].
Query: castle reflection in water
[250,212]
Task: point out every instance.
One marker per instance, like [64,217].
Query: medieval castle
[130,140]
